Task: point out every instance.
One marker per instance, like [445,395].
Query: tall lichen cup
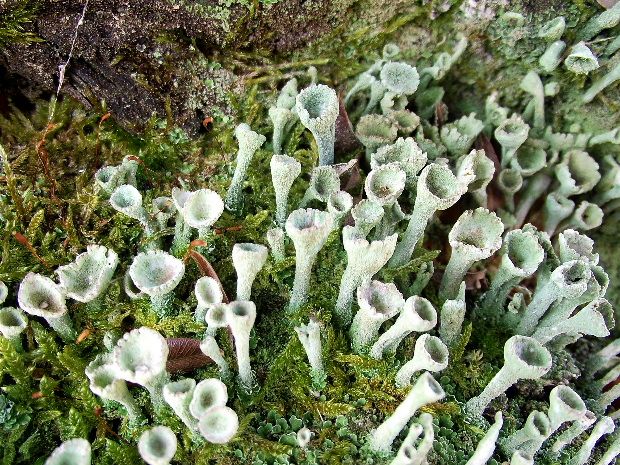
[524,358]
[249,143]
[308,229]
[318,108]
[437,189]
[475,236]
[364,260]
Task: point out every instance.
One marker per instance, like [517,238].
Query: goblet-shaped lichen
[577,173]
[308,229]
[324,181]
[511,134]
[476,163]
[524,358]
[208,293]
[157,445]
[385,183]
[366,215]
[529,160]
[201,209]
[310,337]
[437,189]
[240,317]
[418,315]
[207,394]
[105,383]
[219,424]
[128,200]
[157,273]
[568,280]
[73,451]
[282,119]
[530,437]
[430,354]
[89,275]
[580,59]
[425,391]
[364,260]
[521,256]
[378,302]
[140,357]
[284,171]
[318,108]
[12,324]
[40,296]
[556,209]
[475,236]
[248,259]
[565,406]
[249,143]
[178,395]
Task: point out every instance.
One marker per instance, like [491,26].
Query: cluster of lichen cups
[432,170]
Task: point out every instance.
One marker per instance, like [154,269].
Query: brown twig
[19,237]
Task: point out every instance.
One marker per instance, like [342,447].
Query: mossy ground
[50,210]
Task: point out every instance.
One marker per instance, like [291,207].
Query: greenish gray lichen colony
[431,296]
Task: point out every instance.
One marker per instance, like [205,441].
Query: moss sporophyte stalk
[389,258]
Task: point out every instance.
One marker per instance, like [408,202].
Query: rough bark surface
[138,54]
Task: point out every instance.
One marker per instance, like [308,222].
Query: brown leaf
[441,113]
[494,195]
[185,355]
[346,141]
[204,265]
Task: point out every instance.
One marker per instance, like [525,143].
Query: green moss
[15,17]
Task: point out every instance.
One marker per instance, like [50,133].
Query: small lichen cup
[378,302]
[284,171]
[240,316]
[201,209]
[437,189]
[140,357]
[157,273]
[249,142]
[74,452]
[475,236]
[208,294]
[430,354]
[425,391]
[178,395]
[88,276]
[364,260]
[38,295]
[13,321]
[207,394]
[418,315]
[219,424]
[157,445]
